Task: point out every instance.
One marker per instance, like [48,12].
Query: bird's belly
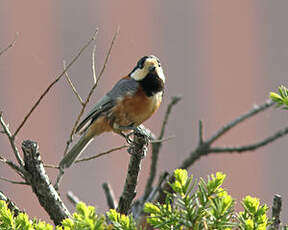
[134,110]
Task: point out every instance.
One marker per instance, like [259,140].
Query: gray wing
[123,87]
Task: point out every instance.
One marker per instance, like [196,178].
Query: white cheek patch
[161,74]
[138,74]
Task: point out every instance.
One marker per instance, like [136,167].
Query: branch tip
[200,124]
[110,197]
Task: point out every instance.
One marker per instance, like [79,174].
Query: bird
[132,100]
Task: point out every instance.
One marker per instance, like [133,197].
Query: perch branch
[42,187]
[137,150]
[156,148]
[110,197]
[54,82]
[10,45]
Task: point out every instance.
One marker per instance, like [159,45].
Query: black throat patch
[152,84]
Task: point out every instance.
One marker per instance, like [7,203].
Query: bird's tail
[75,152]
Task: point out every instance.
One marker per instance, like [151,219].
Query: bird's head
[148,65]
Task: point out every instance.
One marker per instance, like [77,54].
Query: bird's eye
[140,65]
[159,64]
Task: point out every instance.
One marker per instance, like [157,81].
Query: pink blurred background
[222,57]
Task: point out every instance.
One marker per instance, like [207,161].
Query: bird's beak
[152,68]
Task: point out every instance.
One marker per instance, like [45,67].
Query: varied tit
[131,101]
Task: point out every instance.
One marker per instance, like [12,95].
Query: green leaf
[216,181]
[181,176]
[151,208]
[251,204]
[275,97]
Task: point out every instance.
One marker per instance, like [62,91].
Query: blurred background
[223,57]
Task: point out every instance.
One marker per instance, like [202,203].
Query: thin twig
[156,148]
[12,165]
[101,154]
[90,93]
[93,65]
[10,45]
[11,140]
[51,166]
[13,182]
[73,198]
[54,82]
[71,84]
[162,140]
[110,197]
[58,178]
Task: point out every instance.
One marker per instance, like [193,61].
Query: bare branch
[205,147]
[73,198]
[11,140]
[200,132]
[72,86]
[93,65]
[101,154]
[91,92]
[10,45]
[110,197]
[10,204]
[257,109]
[162,140]
[58,179]
[250,147]
[276,209]
[12,165]
[137,150]
[54,82]
[41,185]
[156,148]
[51,166]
